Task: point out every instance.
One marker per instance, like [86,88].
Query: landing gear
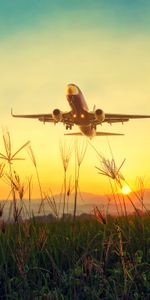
[93,126]
[68,126]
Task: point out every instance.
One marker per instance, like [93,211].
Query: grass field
[89,257]
[91,260]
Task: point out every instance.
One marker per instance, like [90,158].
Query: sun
[126,190]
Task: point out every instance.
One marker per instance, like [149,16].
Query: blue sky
[120,15]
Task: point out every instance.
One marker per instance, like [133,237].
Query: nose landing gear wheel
[93,126]
[68,127]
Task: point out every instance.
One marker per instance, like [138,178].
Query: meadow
[66,257]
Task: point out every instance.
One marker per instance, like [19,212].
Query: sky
[103,47]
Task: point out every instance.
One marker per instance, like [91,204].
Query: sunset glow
[126,190]
[75,149]
[103,47]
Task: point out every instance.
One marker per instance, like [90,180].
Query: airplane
[80,115]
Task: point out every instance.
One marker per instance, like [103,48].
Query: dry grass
[80,151]
[65,153]
[105,257]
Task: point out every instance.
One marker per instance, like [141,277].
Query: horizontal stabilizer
[74,133]
[107,133]
[97,133]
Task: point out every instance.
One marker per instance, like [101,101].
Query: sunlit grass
[41,259]
[61,256]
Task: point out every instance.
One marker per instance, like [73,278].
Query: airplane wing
[34,116]
[111,118]
[66,117]
[114,118]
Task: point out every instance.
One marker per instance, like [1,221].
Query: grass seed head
[108,168]
[9,156]
[32,156]
[99,216]
[65,153]
[80,150]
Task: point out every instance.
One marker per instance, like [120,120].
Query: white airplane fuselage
[80,110]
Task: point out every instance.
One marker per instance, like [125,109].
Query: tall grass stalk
[33,159]
[69,191]
[10,157]
[52,203]
[114,196]
[29,194]
[109,169]
[65,153]
[80,151]
[139,196]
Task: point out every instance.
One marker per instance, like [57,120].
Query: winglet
[12,112]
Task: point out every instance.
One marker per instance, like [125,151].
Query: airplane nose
[71,90]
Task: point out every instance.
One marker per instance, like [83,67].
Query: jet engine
[57,115]
[99,115]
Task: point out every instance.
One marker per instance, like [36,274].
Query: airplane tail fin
[97,133]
